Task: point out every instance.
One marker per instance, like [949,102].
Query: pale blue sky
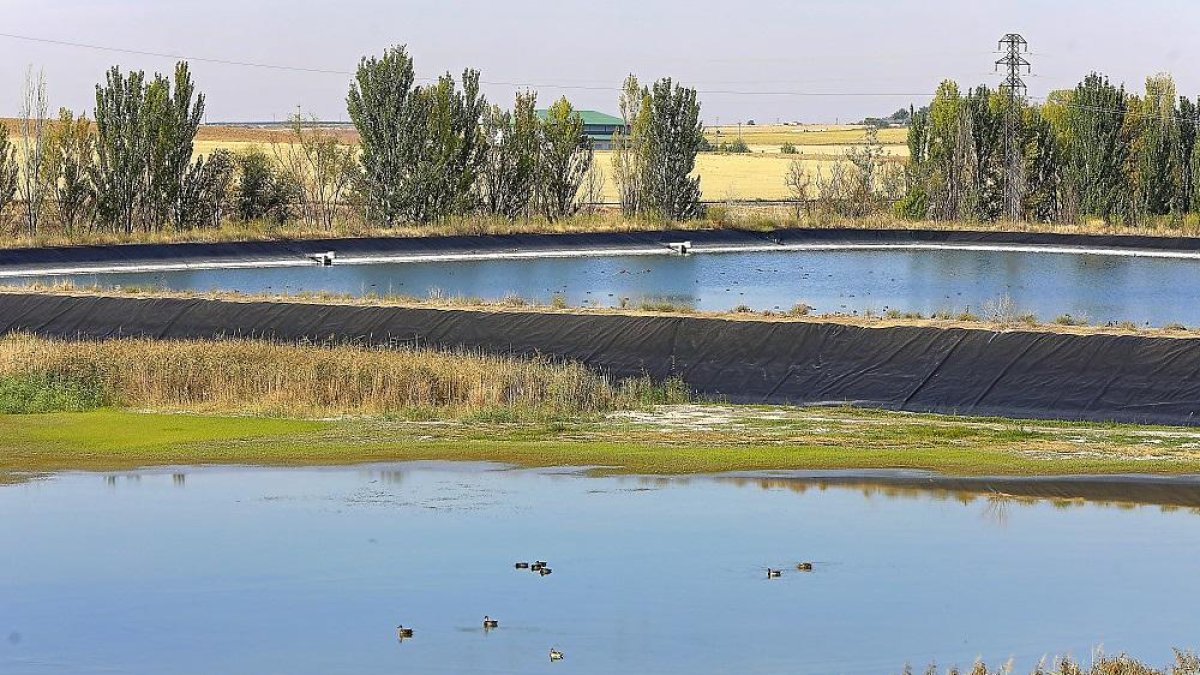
[900,48]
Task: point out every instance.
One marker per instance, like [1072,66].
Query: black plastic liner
[976,372]
[266,252]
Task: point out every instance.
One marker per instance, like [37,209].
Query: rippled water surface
[309,571]
[1099,288]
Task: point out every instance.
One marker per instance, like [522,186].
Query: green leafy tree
[1045,198]
[423,147]
[510,171]
[70,147]
[914,205]
[391,138]
[446,172]
[567,155]
[629,146]
[1097,150]
[144,144]
[206,190]
[175,143]
[260,191]
[123,142]
[1156,168]
[1189,115]
[673,137]
[946,155]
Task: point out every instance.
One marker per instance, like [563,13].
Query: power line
[177,57]
[345,73]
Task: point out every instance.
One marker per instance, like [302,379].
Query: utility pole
[1013,46]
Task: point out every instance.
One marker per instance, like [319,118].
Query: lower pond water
[305,571]
[1098,288]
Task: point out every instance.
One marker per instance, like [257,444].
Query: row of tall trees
[130,170]
[426,152]
[1092,151]
[430,152]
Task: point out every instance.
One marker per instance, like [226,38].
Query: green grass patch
[110,440]
[43,393]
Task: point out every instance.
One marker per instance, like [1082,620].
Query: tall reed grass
[311,380]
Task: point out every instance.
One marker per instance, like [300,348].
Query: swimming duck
[489,622]
[537,565]
[771,574]
[522,565]
[555,655]
[402,632]
[804,566]
[544,571]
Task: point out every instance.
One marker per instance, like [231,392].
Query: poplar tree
[177,129]
[70,146]
[454,148]
[510,169]
[629,146]
[123,142]
[389,136]
[673,137]
[1156,168]
[145,135]
[566,159]
[422,147]
[1097,150]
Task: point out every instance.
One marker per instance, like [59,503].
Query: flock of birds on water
[542,568]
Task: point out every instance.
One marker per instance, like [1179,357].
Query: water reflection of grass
[1186,663]
[651,442]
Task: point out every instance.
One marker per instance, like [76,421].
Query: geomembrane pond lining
[1126,378]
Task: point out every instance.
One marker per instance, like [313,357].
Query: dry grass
[812,135]
[318,380]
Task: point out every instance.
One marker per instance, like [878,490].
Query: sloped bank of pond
[1026,374]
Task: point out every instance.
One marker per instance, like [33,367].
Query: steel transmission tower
[1014,47]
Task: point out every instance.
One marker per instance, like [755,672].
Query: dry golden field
[756,175]
[809,139]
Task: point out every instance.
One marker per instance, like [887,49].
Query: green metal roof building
[597,126]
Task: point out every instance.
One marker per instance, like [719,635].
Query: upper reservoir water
[1099,288]
[308,571]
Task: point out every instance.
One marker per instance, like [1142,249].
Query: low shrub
[31,393]
[1070,320]
[736,147]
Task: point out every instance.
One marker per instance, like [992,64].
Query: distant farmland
[756,175]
